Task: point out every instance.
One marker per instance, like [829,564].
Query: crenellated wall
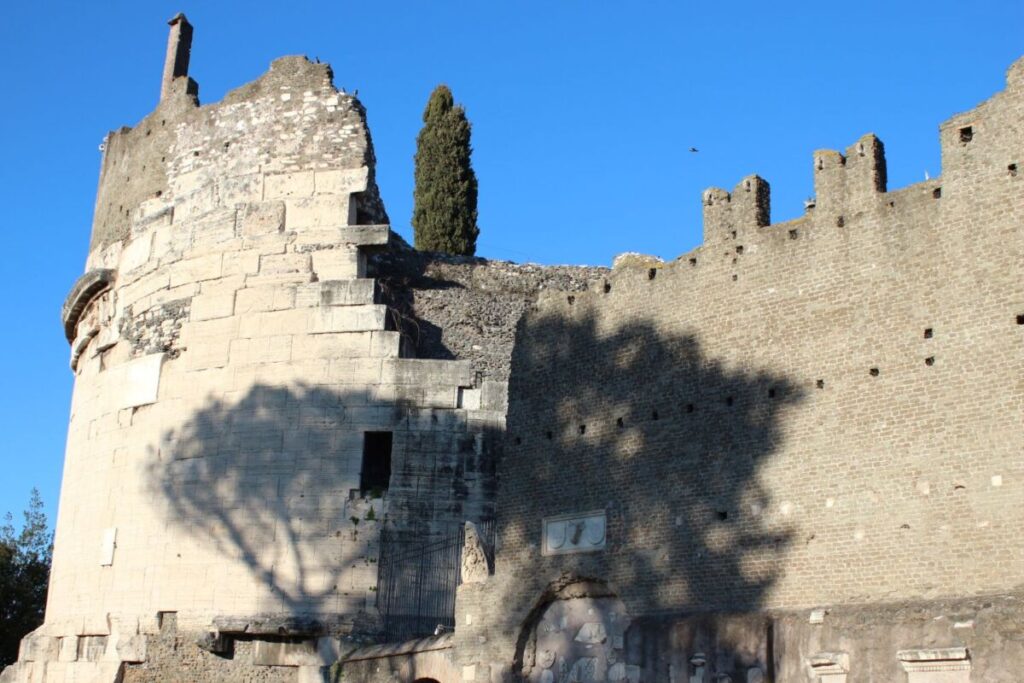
[780,442]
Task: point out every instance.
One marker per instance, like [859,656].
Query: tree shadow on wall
[647,426]
[266,489]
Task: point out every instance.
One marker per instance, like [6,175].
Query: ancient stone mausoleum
[301,451]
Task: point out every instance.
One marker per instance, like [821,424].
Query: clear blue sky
[582,116]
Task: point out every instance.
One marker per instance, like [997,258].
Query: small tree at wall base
[24,576]
[444,209]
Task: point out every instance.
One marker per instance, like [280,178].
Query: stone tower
[244,422]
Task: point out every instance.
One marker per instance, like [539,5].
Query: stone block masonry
[246,330]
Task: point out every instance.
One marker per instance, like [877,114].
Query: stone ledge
[271,625]
[86,288]
[829,663]
[933,654]
[934,659]
[329,236]
[441,642]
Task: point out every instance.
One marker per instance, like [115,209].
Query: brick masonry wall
[820,412]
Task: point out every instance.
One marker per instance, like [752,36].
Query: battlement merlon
[854,180]
[747,207]
[851,179]
[839,181]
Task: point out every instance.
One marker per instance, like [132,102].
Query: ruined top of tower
[150,172]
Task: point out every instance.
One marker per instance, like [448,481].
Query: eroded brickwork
[467,308]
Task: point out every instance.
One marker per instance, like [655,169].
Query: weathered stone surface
[214,642]
[271,624]
[131,649]
[476,557]
[39,648]
[303,653]
[82,293]
[173,655]
[264,218]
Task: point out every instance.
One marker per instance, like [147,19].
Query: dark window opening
[571,299]
[693,261]
[873,372]
[651,273]
[376,473]
[771,393]
[607,287]
[1012,168]
[821,384]
[928,333]
[937,193]
[1020,319]
[583,429]
[793,234]
[840,222]
[654,415]
[619,423]
[722,515]
[729,401]
[966,134]
[930,360]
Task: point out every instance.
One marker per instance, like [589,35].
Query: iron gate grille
[417,581]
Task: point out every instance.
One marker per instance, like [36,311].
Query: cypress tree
[444,209]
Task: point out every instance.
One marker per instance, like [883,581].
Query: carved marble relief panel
[581,640]
[577,533]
